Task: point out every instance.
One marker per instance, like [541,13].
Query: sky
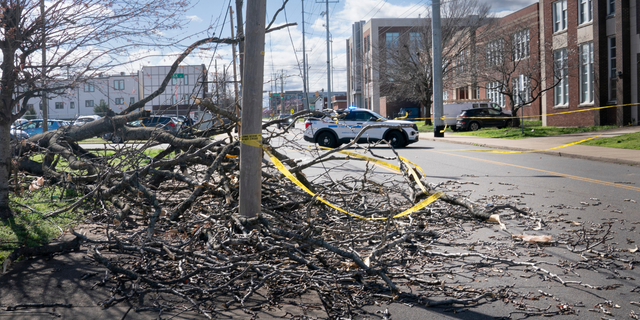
[283,48]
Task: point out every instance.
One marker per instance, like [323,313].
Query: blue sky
[283,48]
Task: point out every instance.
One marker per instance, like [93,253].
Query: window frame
[559,19]
[59,105]
[89,87]
[611,7]
[118,84]
[89,104]
[611,60]
[561,91]
[119,101]
[521,40]
[586,73]
[585,16]
[493,93]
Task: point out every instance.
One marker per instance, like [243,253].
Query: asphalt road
[566,192]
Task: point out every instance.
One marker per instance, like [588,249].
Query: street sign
[178,75]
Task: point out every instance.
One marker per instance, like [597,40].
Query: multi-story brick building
[582,62]
[365,59]
[597,45]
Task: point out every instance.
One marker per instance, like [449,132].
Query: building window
[611,8]
[132,100]
[174,99]
[461,62]
[88,87]
[521,45]
[40,105]
[59,105]
[415,42]
[494,52]
[522,97]
[88,103]
[391,39]
[494,94]
[185,98]
[559,15]
[612,69]
[585,13]
[561,75]
[72,105]
[118,84]
[445,95]
[119,101]
[586,72]
[186,78]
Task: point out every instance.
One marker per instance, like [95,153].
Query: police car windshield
[381,118]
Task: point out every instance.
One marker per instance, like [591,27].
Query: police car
[344,125]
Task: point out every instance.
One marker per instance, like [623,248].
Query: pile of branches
[172,238]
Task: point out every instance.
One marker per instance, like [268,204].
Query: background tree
[406,70]
[507,55]
[102,109]
[83,38]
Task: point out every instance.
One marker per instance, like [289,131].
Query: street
[570,198]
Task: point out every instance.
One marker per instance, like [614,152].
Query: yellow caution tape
[415,208]
[420,205]
[254,140]
[529,151]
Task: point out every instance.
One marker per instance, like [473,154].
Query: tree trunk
[5,169]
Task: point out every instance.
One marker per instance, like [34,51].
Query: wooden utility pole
[251,134]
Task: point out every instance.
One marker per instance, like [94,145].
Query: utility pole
[304,65]
[240,35]
[438,123]
[45,108]
[251,134]
[282,91]
[328,60]
[235,75]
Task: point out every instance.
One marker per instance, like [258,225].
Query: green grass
[531,129]
[29,227]
[626,141]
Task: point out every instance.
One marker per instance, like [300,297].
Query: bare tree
[406,65]
[508,63]
[83,38]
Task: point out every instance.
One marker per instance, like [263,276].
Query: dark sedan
[474,119]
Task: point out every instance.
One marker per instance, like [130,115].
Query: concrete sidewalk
[543,144]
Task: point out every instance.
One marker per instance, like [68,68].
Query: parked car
[328,132]
[18,122]
[474,119]
[17,134]
[451,110]
[284,124]
[85,119]
[166,123]
[33,127]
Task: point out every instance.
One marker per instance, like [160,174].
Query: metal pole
[251,134]
[235,74]
[438,124]
[45,108]
[304,64]
[328,60]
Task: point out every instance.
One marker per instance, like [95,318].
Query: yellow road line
[568,176]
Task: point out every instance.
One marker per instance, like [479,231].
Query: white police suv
[344,125]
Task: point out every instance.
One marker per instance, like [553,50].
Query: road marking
[605,183]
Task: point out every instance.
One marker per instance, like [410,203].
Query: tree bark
[5,169]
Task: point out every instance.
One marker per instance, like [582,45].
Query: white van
[452,108]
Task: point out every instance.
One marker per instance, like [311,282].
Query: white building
[121,90]
[187,82]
